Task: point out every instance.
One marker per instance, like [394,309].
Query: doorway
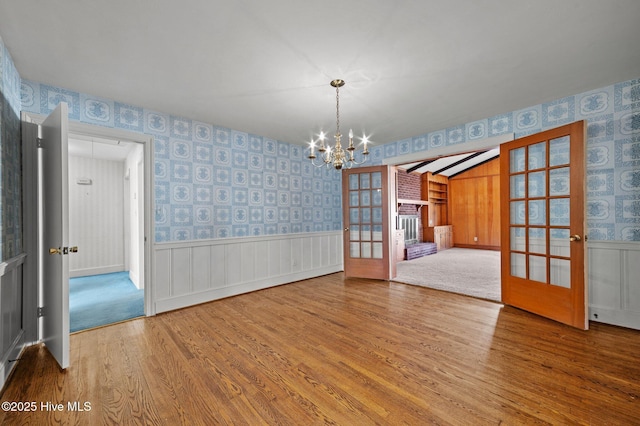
[32,130]
[466,271]
[460,215]
[46,204]
[106,188]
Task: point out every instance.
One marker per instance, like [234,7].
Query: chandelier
[337,156]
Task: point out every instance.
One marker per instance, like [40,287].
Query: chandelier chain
[337,110]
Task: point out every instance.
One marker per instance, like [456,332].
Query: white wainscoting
[12,333]
[614,283]
[194,272]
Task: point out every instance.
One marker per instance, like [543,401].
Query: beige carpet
[465,271]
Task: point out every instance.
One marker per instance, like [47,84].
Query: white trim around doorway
[90,130]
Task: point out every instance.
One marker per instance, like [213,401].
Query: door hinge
[40,311]
[39,142]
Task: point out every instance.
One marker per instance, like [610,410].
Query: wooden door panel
[542,209]
[366,217]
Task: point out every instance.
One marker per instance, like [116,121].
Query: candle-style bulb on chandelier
[336,155]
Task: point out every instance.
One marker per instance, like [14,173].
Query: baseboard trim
[476,246]
[11,359]
[96,271]
[621,318]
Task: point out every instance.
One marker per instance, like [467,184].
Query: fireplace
[411,226]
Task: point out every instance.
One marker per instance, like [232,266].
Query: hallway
[99,300]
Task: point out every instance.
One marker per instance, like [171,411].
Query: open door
[366,210]
[55,234]
[542,180]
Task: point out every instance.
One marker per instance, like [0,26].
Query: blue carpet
[103,299]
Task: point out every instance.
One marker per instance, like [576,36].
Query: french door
[366,218]
[542,224]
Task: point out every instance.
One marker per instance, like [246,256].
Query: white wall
[96,222]
[135,214]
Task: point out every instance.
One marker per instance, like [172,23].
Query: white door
[55,234]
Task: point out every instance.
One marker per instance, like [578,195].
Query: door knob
[575,238]
[63,250]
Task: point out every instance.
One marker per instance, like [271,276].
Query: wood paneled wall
[96,216]
[474,202]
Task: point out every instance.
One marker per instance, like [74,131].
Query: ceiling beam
[420,165]
[457,163]
[476,165]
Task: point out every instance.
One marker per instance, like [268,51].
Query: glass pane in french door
[539,212]
[365,215]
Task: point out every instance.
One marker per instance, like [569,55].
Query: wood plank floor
[335,351]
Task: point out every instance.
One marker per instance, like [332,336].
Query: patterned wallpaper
[210,181]
[11,158]
[613,150]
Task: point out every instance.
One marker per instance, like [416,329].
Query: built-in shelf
[434,188]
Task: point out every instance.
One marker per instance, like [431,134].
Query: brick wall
[408,188]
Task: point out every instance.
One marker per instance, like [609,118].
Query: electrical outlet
[475,238]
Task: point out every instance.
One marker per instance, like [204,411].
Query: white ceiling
[264,67]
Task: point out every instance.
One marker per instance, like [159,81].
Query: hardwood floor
[335,351]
